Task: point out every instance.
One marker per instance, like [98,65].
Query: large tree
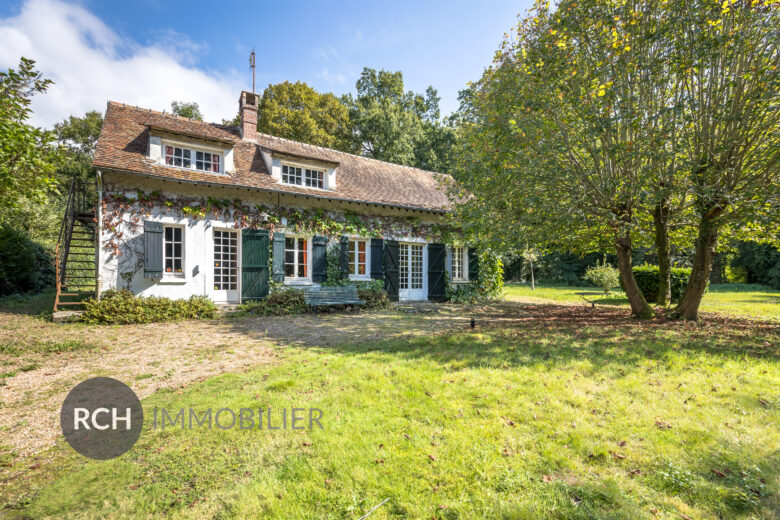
[562,130]
[399,126]
[298,112]
[726,58]
[29,157]
[78,136]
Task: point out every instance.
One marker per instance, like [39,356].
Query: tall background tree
[298,112]
[186,109]
[391,124]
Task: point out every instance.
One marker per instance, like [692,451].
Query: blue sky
[150,52]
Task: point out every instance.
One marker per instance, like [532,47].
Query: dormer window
[297,176]
[183,158]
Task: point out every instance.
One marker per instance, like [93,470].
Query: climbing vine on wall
[124,215]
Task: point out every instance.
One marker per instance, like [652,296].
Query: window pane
[362,269]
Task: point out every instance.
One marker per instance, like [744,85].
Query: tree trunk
[688,308]
[533,283]
[661,221]
[639,306]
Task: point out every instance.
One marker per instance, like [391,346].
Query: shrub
[24,265]
[647,279]
[374,298]
[281,302]
[121,307]
[463,293]
[603,275]
[490,278]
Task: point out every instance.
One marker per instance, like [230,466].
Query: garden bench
[585,296]
[322,296]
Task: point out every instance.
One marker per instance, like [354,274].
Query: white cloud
[91,64]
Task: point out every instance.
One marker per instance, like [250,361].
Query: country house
[192,208]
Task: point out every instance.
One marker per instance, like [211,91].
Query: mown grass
[560,417]
[754,301]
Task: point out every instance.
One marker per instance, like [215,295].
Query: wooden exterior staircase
[75,254]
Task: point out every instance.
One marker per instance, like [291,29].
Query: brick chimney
[247,109]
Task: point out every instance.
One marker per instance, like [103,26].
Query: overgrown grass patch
[17,348]
[550,419]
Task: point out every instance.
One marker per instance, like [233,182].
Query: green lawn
[754,301]
[570,414]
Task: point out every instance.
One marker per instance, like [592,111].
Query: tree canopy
[596,114]
[186,109]
[29,157]
[298,112]
[399,126]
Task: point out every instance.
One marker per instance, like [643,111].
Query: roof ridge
[340,152]
[169,114]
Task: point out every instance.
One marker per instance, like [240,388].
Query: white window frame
[464,264]
[353,248]
[174,274]
[296,264]
[304,169]
[193,151]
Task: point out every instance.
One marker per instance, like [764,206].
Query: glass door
[411,267]
[225,266]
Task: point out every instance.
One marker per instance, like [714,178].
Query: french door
[226,266]
[411,282]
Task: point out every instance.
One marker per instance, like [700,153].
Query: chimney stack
[247,109]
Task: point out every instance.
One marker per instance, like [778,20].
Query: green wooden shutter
[278,257]
[473,265]
[344,257]
[377,254]
[153,250]
[254,264]
[392,274]
[319,246]
[436,285]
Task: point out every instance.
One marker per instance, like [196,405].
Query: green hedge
[24,265]
[121,307]
[647,278]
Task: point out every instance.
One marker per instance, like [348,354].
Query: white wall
[126,270]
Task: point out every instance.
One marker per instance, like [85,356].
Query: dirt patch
[41,361]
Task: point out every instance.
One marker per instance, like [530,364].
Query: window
[182,158]
[296,258]
[173,247]
[459,264]
[207,162]
[358,258]
[303,176]
[175,156]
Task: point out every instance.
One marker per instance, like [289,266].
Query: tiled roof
[125,134]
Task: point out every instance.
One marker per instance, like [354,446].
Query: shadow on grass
[521,334]
[30,304]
